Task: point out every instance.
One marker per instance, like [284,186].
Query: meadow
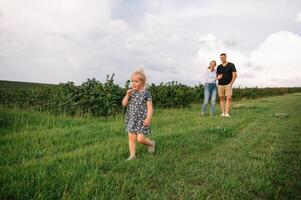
[254,155]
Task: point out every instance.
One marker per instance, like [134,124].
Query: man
[226,75]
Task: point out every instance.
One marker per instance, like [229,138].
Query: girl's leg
[143,140]
[132,145]
[206,98]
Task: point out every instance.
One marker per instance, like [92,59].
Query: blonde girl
[139,113]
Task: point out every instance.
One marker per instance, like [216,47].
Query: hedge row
[104,99]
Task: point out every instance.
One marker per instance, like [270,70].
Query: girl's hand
[126,98]
[220,76]
[146,122]
[129,92]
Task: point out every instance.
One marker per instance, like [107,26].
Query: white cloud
[53,41]
[298,17]
[280,58]
[275,62]
[58,41]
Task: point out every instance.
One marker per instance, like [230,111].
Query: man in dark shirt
[226,75]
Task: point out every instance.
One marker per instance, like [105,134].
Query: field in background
[18,84]
[93,98]
[254,155]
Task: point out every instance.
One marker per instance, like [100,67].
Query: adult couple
[225,74]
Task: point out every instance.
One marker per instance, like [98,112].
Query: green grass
[254,155]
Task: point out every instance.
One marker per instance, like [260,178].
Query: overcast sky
[54,41]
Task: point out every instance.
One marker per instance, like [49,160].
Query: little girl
[139,112]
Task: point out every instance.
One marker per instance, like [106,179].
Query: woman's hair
[141,74]
[211,62]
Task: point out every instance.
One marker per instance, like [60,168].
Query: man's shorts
[224,90]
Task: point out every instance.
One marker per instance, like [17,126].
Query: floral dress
[137,112]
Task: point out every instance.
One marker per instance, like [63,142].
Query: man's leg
[228,92]
[221,94]
[228,103]
[222,103]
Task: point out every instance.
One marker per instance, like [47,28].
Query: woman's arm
[149,107]
[219,76]
[207,76]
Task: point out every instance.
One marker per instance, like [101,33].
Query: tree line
[104,99]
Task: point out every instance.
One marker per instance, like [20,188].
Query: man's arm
[234,75]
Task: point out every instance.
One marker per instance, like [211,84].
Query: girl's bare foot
[130,158]
[152,148]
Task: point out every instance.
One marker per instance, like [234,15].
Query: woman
[210,88]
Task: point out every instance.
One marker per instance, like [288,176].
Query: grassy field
[254,155]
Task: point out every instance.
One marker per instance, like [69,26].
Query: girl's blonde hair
[141,74]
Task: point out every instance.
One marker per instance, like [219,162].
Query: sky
[54,41]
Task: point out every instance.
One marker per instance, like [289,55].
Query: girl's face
[137,83]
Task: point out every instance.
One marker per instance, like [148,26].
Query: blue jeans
[209,92]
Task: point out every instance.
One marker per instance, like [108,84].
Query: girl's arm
[149,107]
[126,98]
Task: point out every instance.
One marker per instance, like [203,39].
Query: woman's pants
[209,92]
